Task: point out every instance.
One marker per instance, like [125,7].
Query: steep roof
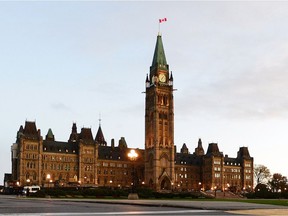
[213,150]
[117,153]
[243,153]
[159,57]
[184,149]
[187,159]
[59,147]
[100,137]
[86,135]
[50,135]
[30,130]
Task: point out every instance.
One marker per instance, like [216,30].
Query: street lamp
[48,179]
[133,156]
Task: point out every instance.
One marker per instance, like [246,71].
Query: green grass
[281,202]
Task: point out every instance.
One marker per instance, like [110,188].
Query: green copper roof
[159,54]
[50,133]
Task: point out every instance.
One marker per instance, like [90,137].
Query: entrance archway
[165,184]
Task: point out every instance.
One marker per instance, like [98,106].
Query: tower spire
[159,58]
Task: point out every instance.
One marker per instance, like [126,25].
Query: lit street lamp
[48,178]
[200,186]
[28,181]
[133,156]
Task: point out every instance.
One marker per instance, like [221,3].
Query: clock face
[162,78]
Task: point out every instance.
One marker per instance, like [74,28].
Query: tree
[261,173]
[278,183]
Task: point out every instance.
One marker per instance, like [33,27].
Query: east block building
[89,161]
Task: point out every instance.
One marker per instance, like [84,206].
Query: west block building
[90,161]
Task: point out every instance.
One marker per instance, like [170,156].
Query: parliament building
[89,160]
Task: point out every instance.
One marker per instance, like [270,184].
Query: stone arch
[165,184]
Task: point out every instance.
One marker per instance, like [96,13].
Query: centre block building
[89,161]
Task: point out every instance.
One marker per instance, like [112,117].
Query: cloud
[60,106]
[258,90]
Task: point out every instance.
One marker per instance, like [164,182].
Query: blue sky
[70,61]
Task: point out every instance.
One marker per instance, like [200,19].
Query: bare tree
[262,174]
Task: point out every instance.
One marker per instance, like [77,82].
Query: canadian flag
[162,20]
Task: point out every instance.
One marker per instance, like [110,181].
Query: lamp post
[48,179]
[133,156]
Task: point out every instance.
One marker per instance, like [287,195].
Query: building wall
[90,162]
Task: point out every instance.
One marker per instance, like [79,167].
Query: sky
[79,61]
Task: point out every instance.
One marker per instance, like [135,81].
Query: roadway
[12,205]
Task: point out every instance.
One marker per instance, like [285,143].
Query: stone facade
[88,161]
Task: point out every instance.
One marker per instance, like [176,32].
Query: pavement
[227,206]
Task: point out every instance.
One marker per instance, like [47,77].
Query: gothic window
[164,161]
[165,100]
[34,176]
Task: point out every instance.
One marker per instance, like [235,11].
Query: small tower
[73,136]
[199,151]
[99,139]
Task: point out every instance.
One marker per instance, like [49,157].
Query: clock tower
[159,123]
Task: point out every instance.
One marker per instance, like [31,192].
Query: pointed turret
[159,70]
[171,79]
[184,149]
[20,132]
[73,136]
[50,135]
[199,150]
[159,58]
[147,81]
[99,139]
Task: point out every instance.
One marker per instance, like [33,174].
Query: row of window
[59,149]
[31,156]
[59,158]
[113,172]
[57,166]
[88,151]
[106,164]
[31,165]
[31,147]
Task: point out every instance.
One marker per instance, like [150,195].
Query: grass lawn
[282,202]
